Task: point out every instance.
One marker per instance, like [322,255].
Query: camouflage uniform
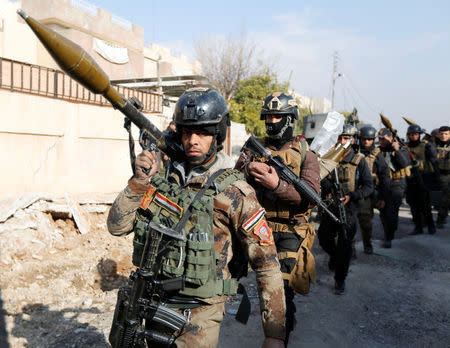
[380,176]
[425,175]
[443,156]
[399,168]
[356,181]
[287,213]
[233,208]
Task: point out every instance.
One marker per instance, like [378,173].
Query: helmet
[367,132]
[435,132]
[279,103]
[414,128]
[349,129]
[203,108]
[384,132]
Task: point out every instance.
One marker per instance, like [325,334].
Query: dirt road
[65,295]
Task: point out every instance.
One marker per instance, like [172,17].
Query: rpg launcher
[255,147]
[414,162]
[79,65]
[411,123]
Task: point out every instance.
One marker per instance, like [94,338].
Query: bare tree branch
[226,61]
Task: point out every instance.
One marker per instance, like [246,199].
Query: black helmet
[349,129]
[279,103]
[367,132]
[203,108]
[414,128]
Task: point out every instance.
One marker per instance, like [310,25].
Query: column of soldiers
[257,217]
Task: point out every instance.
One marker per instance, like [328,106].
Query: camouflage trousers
[365,217]
[445,188]
[203,327]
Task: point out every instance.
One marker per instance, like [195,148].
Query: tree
[225,62]
[245,107]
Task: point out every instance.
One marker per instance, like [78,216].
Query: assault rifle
[79,65]
[255,147]
[139,301]
[338,194]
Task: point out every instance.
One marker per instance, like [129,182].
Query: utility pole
[335,75]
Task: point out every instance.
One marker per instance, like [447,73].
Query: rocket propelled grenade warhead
[387,123]
[411,123]
[79,65]
[75,61]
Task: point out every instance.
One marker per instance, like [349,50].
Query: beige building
[56,136]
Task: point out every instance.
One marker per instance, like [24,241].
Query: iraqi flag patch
[168,205]
[250,223]
[148,196]
[264,233]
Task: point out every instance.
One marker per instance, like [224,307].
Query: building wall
[49,145]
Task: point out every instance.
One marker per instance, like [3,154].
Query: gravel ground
[65,297]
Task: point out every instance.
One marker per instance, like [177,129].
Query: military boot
[431,229]
[417,230]
[368,249]
[339,287]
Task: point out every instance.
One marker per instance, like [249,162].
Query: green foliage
[245,107]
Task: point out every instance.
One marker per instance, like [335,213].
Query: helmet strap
[200,160]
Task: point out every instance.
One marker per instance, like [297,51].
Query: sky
[393,56]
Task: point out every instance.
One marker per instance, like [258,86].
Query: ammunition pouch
[401,173]
[304,271]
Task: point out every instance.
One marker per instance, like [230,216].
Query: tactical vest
[370,159]
[400,173]
[419,154]
[195,258]
[443,156]
[347,173]
[293,158]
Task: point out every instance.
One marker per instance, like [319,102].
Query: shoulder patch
[244,187]
[264,233]
[254,220]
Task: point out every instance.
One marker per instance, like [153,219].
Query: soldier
[425,175]
[398,161]
[236,227]
[380,176]
[357,184]
[443,156]
[286,210]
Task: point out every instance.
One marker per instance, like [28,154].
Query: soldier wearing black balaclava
[287,211]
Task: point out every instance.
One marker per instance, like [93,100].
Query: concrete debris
[79,215]
[61,210]
[95,208]
[11,203]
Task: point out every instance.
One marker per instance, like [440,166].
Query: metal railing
[38,80]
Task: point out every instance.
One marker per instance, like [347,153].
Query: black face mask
[279,133]
[275,129]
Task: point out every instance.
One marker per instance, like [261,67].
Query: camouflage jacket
[237,217]
[308,171]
